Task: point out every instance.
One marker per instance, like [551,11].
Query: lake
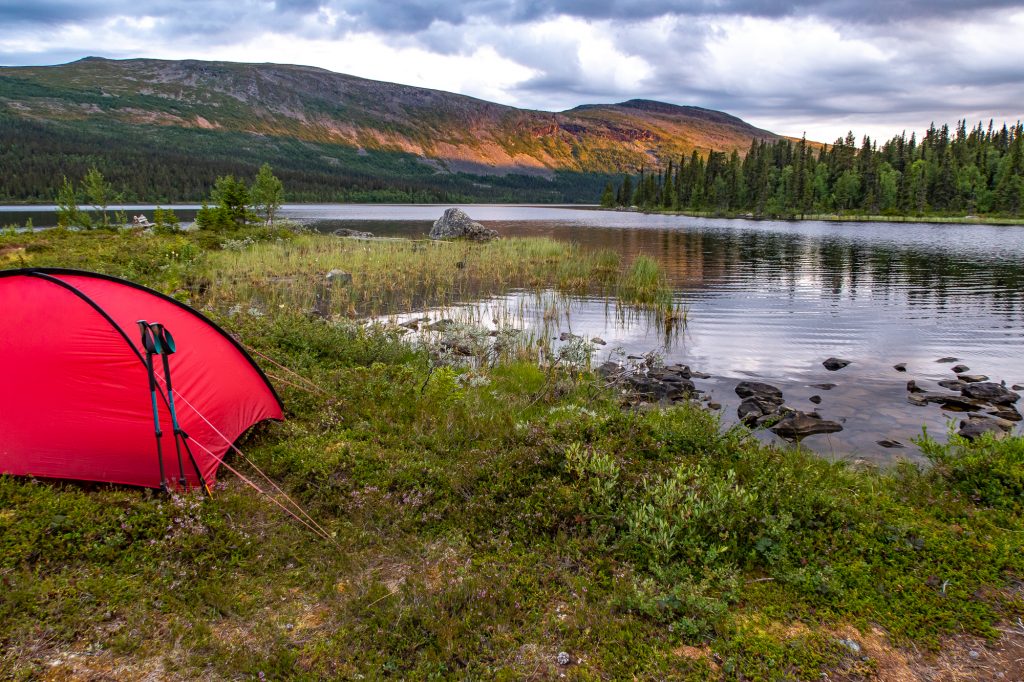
[770,300]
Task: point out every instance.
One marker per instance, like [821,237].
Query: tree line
[976,171]
[232,203]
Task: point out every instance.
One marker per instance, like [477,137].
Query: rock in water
[1007,412]
[887,443]
[991,392]
[960,369]
[669,371]
[972,378]
[756,389]
[751,410]
[834,364]
[455,224]
[956,403]
[798,425]
[947,359]
[355,234]
[650,388]
[976,426]
[900,367]
[441,325]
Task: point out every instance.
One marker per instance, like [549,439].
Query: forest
[959,172]
[165,164]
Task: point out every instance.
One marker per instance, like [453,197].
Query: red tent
[75,398]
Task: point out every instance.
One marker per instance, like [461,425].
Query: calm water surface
[770,300]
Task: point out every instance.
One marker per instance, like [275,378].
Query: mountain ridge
[261,105]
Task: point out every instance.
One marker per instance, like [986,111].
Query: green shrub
[989,471]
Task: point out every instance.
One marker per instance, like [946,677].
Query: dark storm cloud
[405,16]
[53,13]
[418,15]
[904,59]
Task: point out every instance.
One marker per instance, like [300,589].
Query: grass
[490,517]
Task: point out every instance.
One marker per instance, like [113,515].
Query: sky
[820,67]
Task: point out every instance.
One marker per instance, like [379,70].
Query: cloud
[821,66]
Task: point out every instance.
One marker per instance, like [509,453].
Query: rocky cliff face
[452,132]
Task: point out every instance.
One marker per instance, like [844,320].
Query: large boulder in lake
[455,224]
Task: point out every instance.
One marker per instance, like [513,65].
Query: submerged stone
[834,364]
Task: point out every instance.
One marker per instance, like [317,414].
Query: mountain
[328,135]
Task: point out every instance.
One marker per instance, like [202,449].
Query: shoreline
[16,207]
[834,217]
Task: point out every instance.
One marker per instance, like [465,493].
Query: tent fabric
[74,389]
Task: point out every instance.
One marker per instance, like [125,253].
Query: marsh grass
[645,286]
[388,275]
[391,276]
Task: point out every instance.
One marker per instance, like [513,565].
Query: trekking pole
[149,343]
[168,347]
